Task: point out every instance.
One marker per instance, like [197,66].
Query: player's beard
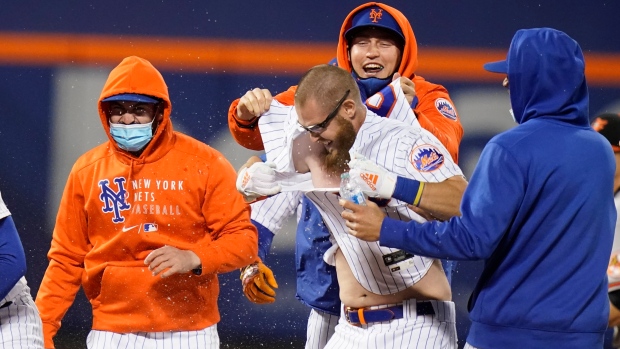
[336,160]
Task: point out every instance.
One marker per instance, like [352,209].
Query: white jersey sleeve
[273,211]
[407,151]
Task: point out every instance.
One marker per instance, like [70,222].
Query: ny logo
[376,15]
[114,201]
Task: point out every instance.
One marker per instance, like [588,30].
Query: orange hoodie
[434,110]
[116,208]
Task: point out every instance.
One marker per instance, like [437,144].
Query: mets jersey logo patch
[426,158]
[114,201]
[445,108]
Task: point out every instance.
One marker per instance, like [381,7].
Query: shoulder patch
[426,158]
[445,108]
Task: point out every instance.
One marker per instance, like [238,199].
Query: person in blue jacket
[20,323]
[532,210]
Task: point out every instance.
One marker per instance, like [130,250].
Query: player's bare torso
[307,157]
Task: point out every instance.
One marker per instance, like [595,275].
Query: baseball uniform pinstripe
[273,211]
[392,145]
[321,326]
[413,153]
[413,331]
[390,102]
[201,339]
[20,323]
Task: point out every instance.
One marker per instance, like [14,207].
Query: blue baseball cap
[497,67]
[131,97]
[374,16]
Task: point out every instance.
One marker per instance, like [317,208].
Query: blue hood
[546,72]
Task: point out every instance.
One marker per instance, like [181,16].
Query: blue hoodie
[539,210]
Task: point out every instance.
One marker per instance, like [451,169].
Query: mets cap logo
[426,158]
[375,16]
[445,108]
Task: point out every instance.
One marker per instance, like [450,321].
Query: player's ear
[349,106]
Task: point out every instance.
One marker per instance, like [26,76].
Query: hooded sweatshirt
[117,208]
[532,210]
[434,108]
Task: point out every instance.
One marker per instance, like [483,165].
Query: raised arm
[244,112]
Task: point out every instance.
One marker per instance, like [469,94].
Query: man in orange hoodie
[376,44]
[146,222]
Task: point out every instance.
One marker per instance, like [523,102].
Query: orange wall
[253,57]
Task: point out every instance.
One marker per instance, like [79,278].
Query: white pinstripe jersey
[21,283]
[279,126]
[273,211]
[404,149]
[397,148]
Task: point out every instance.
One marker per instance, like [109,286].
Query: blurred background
[55,57]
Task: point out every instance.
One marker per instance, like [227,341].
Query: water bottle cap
[344,175]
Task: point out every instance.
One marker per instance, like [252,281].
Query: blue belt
[363,316]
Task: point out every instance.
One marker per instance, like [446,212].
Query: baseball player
[146,222]
[390,299]
[608,125]
[376,44]
[545,237]
[20,324]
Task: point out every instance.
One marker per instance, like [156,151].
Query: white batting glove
[375,181]
[258,180]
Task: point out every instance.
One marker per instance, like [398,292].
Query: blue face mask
[370,86]
[132,137]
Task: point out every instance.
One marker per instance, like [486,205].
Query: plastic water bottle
[349,190]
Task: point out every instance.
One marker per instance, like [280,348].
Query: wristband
[408,190]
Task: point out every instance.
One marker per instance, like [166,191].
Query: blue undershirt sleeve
[406,189]
[489,205]
[12,257]
[265,238]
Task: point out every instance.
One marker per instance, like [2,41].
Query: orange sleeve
[234,239]
[63,276]
[448,131]
[246,133]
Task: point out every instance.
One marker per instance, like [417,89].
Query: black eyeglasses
[319,128]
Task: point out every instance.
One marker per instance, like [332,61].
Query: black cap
[608,125]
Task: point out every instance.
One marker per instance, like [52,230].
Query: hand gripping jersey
[408,151]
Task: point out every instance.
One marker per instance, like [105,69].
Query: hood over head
[546,75]
[137,79]
[394,21]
